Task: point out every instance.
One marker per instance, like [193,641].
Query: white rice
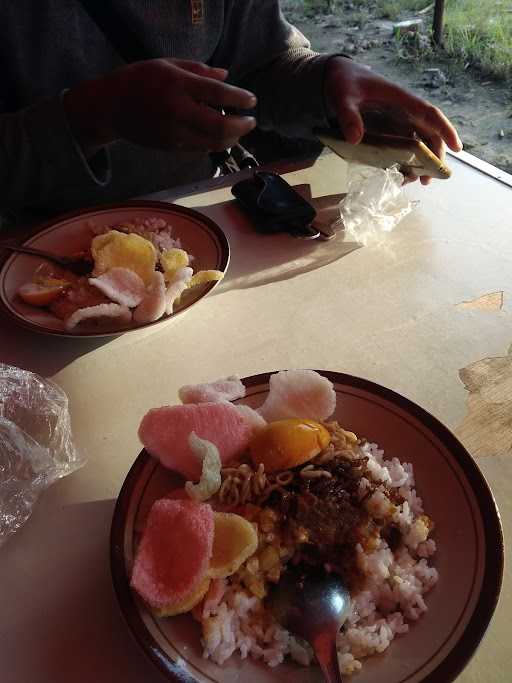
[156,230]
[392,596]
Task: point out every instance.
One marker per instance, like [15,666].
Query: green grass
[395,9]
[313,7]
[478,32]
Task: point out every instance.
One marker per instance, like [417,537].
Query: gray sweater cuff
[40,161]
[310,74]
[299,79]
[58,151]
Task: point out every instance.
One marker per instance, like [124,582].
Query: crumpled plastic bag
[374,203]
[36,444]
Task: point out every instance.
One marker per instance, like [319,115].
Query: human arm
[61,142]
[270,57]
[298,89]
[160,103]
[352,89]
[40,158]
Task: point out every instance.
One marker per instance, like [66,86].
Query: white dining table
[420,312]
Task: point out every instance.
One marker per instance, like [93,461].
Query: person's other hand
[160,103]
[352,89]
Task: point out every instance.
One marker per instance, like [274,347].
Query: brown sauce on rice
[319,511]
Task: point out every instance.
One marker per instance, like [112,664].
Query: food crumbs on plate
[303,493]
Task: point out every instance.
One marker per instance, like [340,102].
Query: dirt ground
[480,108]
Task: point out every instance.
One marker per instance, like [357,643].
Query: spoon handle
[35,252]
[327,656]
[75,265]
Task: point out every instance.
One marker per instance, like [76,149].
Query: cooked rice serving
[370,528]
[156,230]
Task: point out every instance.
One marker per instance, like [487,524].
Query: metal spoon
[79,266]
[314,606]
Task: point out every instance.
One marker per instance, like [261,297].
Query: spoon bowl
[313,605]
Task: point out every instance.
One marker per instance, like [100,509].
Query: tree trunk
[437,28]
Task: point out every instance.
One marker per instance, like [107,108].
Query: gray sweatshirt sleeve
[40,159]
[41,164]
[269,56]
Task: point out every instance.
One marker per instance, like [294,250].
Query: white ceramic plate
[199,236]
[468,536]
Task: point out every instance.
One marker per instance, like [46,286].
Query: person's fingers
[200,69]
[211,123]
[343,101]
[431,120]
[219,94]
[352,89]
[425,117]
[349,119]
[436,144]
[409,179]
[207,85]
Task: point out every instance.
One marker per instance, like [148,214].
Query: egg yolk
[285,444]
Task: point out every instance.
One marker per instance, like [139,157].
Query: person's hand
[160,103]
[352,89]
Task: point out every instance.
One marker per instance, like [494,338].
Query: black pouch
[274,206]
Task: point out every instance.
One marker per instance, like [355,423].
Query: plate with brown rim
[199,236]
[468,535]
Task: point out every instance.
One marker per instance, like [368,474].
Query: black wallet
[275,206]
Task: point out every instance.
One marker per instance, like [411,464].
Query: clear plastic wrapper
[36,444]
[374,203]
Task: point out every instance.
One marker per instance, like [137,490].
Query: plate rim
[467,644]
[225,253]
